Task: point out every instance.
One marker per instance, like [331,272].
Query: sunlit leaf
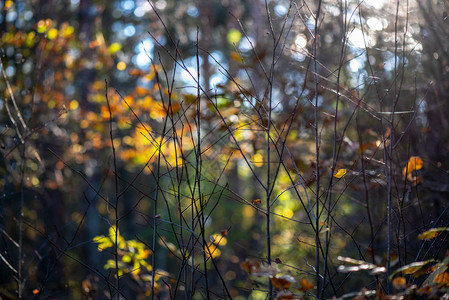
[257,201]
[135,72]
[256,268]
[436,276]
[218,239]
[8,4]
[399,282]
[442,279]
[115,47]
[121,66]
[74,104]
[306,285]
[340,173]
[41,26]
[103,242]
[415,163]
[282,281]
[412,268]
[234,36]
[67,31]
[52,34]
[358,265]
[212,251]
[432,233]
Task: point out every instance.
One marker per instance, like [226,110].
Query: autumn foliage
[224,149]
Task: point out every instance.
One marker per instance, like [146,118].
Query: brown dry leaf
[136,72]
[257,201]
[256,268]
[282,282]
[425,289]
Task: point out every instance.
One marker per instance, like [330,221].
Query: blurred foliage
[81,77]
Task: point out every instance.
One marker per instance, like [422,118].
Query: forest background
[224,149]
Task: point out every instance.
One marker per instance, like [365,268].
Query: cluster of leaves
[131,260]
[429,278]
[288,287]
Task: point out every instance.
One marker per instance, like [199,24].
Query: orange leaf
[415,163]
[257,201]
[399,282]
[282,282]
[135,72]
[306,285]
[442,279]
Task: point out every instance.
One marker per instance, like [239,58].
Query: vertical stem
[116,195]
[198,164]
[267,190]
[390,148]
[267,187]
[317,157]
[19,262]
[334,146]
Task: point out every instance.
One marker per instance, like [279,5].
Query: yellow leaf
[115,47]
[41,26]
[234,36]
[218,239]
[52,34]
[432,233]
[340,173]
[8,4]
[67,32]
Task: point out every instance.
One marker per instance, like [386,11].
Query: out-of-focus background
[187,177]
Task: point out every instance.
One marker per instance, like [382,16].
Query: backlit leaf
[432,233]
[52,34]
[306,285]
[399,282]
[115,47]
[340,173]
[442,279]
[282,282]
[415,163]
[234,36]
[412,268]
